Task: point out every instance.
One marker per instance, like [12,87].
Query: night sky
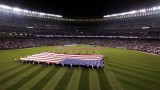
[81,8]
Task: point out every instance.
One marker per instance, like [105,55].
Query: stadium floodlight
[145,27]
[5,7]
[112,15]
[34,12]
[54,15]
[132,12]
[123,13]
[57,15]
[30,27]
[17,9]
[142,10]
[26,11]
[107,16]
[42,13]
[49,14]
[155,8]
[115,15]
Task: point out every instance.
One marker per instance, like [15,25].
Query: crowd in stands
[145,45]
[140,27]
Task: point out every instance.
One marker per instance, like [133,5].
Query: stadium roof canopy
[81,8]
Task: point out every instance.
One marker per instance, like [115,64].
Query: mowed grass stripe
[7,65]
[122,53]
[136,77]
[141,71]
[153,59]
[74,81]
[52,83]
[154,87]
[129,59]
[103,80]
[13,74]
[84,80]
[24,80]
[18,77]
[133,68]
[142,61]
[10,69]
[131,84]
[112,79]
[120,56]
[136,66]
[134,72]
[42,82]
[136,82]
[93,80]
[139,62]
[126,86]
[63,82]
[36,79]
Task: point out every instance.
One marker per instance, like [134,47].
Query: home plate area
[71,60]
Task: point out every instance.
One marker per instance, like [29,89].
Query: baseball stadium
[45,51]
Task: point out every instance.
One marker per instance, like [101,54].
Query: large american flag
[56,58]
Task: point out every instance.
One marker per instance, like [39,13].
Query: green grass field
[124,70]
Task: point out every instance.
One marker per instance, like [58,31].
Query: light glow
[17,9]
[145,27]
[133,12]
[26,11]
[142,10]
[29,27]
[5,7]
[42,14]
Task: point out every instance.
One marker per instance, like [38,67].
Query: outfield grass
[124,70]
